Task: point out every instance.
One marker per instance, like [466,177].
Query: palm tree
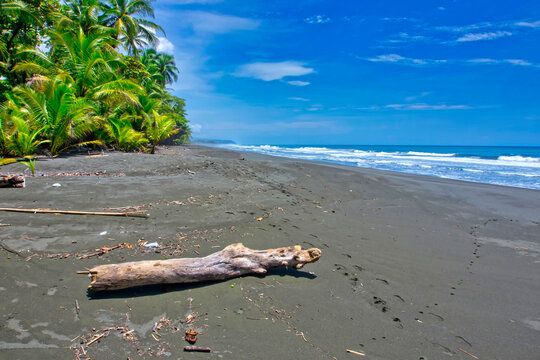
[166,68]
[63,117]
[122,16]
[159,127]
[85,14]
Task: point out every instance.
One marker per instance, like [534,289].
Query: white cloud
[165,46]
[398,59]
[517,62]
[483,36]
[441,8]
[315,107]
[196,128]
[298,83]
[269,71]
[298,99]
[318,19]
[414,97]
[535,24]
[424,106]
[463,28]
[212,23]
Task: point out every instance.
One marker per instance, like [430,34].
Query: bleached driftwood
[234,260]
[16,181]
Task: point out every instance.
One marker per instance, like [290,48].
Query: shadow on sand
[150,290]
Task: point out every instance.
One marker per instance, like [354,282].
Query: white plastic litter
[151,245]
[103,233]
[56,185]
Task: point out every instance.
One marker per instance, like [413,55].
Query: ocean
[500,165]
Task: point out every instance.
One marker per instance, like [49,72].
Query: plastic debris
[151,245]
[103,233]
[56,185]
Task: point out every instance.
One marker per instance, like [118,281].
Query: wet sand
[412,267]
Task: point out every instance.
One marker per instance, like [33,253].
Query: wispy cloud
[488,61]
[317,19]
[165,46]
[298,83]
[212,23]
[464,28]
[401,19]
[483,36]
[424,106]
[404,37]
[534,24]
[298,99]
[398,59]
[269,71]
[315,107]
[401,60]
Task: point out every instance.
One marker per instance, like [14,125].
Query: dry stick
[355,352]
[96,338]
[5,224]
[52,211]
[468,353]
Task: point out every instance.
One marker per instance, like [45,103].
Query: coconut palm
[159,127]
[166,68]
[65,119]
[127,18]
[121,131]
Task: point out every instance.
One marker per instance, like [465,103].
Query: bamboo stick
[70,212]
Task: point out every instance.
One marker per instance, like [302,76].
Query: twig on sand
[197,348]
[70,212]
[5,224]
[101,251]
[97,337]
[468,353]
[77,308]
[356,352]
[301,334]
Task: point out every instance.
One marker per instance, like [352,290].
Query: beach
[412,267]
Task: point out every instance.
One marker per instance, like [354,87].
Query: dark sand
[412,267]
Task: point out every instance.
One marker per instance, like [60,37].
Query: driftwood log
[16,181]
[234,260]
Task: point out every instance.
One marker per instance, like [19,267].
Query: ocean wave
[428,154]
[520,171]
[519,158]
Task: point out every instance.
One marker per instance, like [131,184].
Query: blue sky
[437,72]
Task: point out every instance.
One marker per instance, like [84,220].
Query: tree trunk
[233,261]
[16,181]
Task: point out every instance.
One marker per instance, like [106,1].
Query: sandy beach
[412,267]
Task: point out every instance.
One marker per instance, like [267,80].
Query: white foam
[519,159]
[428,154]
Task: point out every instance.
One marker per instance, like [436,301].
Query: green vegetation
[84,72]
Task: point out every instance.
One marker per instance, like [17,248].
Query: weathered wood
[234,260]
[16,181]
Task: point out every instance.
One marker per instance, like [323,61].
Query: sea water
[500,165]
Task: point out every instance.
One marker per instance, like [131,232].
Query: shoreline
[412,266]
[495,168]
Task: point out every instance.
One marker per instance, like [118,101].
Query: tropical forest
[85,74]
